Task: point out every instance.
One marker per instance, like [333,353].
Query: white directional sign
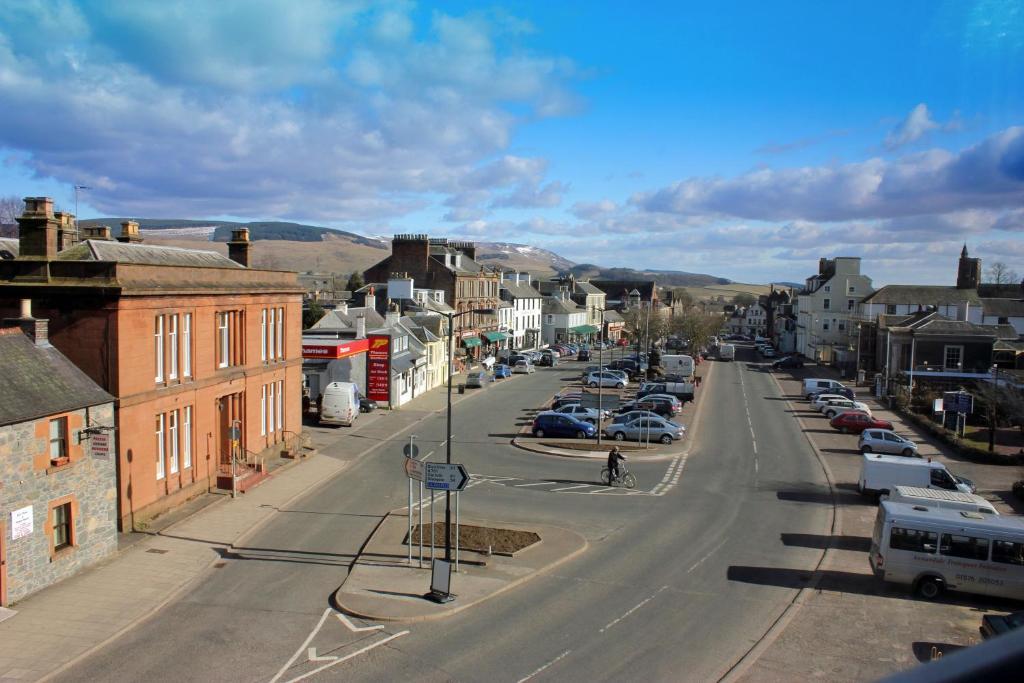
[446,477]
[415,469]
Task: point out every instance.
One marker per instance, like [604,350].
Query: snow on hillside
[195,232]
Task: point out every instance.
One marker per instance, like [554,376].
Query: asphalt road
[677,586]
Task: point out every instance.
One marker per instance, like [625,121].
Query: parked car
[855,423]
[885,441]
[644,428]
[768,352]
[844,392]
[566,399]
[789,362]
[502,371]
[583,354]
[993,625]
[666,406]
[580,413]
[622,342]
[606,379]
[633,415]
[478,380]
[523,367]
[553,424]
[621,373]
[367,405]
[815,385]
[835,406]
[681,390]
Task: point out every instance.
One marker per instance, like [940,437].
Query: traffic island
[384,586]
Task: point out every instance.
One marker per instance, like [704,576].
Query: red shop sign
[378,368]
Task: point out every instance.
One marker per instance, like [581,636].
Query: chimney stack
[361,327]
[129,233]
[35,329]
[392,315]
[369,300]
[38,230]
[240,248]
[98,232]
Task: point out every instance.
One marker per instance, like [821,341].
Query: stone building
[196,348]
[58,483]
[436,263]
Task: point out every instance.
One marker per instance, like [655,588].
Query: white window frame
[224,339]
[280,334]
[186,439]
[263,335]
[270,410]
[186,345]
[172,346]
[172,436]
[270,338]
[263,412]
[280,404]
[945,356]
[158,341]
[161,472]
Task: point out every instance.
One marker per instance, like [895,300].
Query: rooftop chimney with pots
[361,327]
[129,233]
[240,248]
[98,232]
[67,233]
[35,329]
[38,230]
[370,300]
[393,314]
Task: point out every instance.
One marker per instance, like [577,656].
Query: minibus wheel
[929,587]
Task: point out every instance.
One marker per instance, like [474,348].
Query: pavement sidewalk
[53,628]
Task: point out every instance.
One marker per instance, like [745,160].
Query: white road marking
[304,646]
[536,483]
[339,660]
[570,488]
[704,559]
[357,629]
[556,659]
[630,611]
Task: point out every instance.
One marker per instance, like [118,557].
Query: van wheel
[907,452]
[865,449]
[539,433]
[929,588]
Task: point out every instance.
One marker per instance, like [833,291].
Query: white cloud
[917,124]
[528,196]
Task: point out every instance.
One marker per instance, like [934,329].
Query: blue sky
[742,139]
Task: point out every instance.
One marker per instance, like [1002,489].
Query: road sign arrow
[445,477]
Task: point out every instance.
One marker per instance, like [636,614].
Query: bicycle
[626,478]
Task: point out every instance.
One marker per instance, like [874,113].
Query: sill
[59,464]
[60,554]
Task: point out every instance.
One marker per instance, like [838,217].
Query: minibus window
[913,540]
[1008,552]
[969,547]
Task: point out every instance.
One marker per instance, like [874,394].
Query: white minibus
[939,498]
[935,549]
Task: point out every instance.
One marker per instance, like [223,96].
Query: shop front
[326,360]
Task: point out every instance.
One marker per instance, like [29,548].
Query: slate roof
[9,245]
[588,288]
[520,291]
[145,254]
[40,381]
[933,324]
[346,320]
[1003,308]
[559,306]
[612,316]
[466,264]
[924,295]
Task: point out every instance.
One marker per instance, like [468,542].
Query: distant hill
[664,278]
[220,231]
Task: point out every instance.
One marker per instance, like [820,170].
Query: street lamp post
[448,433]
[600,374]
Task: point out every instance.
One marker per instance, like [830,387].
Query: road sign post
[410,452]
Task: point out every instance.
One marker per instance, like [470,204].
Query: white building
[827,309]
[756,320]
[526,303]
[561,317]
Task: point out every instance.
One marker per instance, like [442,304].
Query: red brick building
[436,263]
[191,345]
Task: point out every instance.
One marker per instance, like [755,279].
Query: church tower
[968,273]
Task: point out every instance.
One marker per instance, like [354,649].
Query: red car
[623,342]
[855,423]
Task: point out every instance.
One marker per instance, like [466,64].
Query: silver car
[523,367]
[606,379]
[646,428]
[580,413]
[885,441]
[626,418]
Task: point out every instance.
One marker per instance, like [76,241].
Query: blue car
[502,371]
[556,424]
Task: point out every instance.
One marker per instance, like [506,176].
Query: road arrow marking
[311,656]
[357,629]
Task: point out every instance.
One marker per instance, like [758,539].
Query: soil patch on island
[479,539]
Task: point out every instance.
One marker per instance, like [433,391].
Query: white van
[340,404]
[726,352]
[933,549]
[882,473]
[814,384]
[940,498]
[678,365]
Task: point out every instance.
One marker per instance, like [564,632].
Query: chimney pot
[129,233]
[240,248]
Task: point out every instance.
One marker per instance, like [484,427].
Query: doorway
[229,412]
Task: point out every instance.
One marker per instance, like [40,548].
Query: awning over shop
[494,336]
[584,329]
[470,342]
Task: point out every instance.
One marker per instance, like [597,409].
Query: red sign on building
[378,368]
[333,348]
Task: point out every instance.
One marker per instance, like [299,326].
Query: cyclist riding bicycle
[614,457]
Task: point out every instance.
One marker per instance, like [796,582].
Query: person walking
[614,457]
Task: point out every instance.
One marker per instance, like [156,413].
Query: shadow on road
[821,541]
[823,497]
[927,651]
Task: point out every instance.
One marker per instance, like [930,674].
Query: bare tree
[995,405]
[1001,274]
[10,209]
